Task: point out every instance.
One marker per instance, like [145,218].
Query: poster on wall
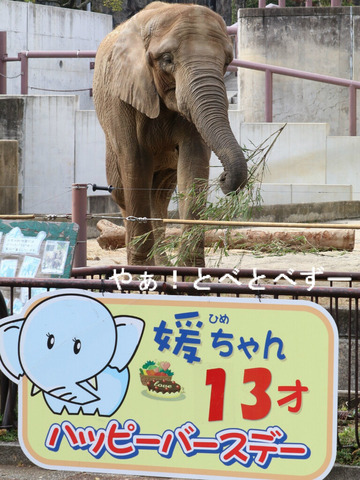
[170,386]
[32,249]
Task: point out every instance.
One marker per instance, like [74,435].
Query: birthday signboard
[192,387]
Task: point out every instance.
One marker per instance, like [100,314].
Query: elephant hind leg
[113,176]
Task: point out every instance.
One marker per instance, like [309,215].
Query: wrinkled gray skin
[160,98]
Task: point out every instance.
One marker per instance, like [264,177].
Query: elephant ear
[9,348]
[132,80]
[129,332]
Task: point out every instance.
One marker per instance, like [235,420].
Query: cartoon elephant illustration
[161,100]
[74,351]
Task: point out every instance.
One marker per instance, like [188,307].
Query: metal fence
[337,292]
[269,71]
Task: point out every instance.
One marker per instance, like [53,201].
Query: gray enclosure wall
[318,40]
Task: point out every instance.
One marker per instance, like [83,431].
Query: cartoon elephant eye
[50,341]
[77,345]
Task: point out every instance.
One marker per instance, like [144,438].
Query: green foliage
[299,244]
[8,435]
[114,5]
[348,453]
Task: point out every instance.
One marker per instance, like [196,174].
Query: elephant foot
[192,263]
[139,258]
[191,259]
[162,260]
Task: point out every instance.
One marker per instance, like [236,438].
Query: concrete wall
[39,27]
[46,183]
[89,150]
[59,143]
[305,164]
[8,176]
[59,146]
[46,127]
[319,40]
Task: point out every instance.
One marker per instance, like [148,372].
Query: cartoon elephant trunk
[207,106]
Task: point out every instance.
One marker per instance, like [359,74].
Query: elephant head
[177,55]
[64,346]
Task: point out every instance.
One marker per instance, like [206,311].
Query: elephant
[160,98]
[73,351]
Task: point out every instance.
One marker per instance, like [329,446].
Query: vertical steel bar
[3,53]
[12,295]
[349,351]
[356,371]
[24,73]
[352,110]
[79,211]
[268,96]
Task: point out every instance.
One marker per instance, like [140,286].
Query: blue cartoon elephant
[73,350]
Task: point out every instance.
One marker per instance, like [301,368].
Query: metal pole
[352,110]
[3,63]
[79,212]
[24,73]
[268,96]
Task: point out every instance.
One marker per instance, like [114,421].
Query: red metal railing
[24,56]
[308,3]
[341,302]
[269,71]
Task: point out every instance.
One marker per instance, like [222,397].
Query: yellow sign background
[310,347]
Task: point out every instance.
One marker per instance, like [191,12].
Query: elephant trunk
[74,393]
[208,110]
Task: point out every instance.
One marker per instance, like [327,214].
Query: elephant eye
[50,341]
[77,345]
[166,60]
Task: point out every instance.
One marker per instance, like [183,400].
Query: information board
[175,386]
[34,249]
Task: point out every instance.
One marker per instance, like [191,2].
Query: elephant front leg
[164,184]
[137,196]
[193,175]
[130,172]
[139,240]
